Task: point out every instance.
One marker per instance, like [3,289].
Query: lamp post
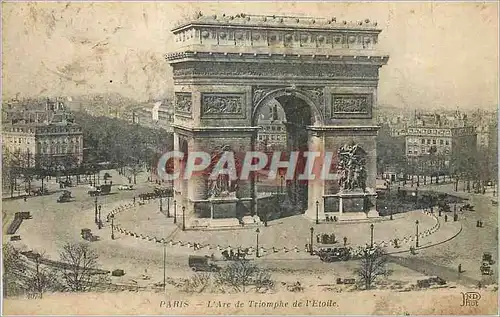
[311,245]
[164,266]
[416,242]
[175,211]
[112,227]
[183,218]
[161,204]
[257,232]
[455,212]
[168,207]
[95,204]
[281,184]
[317,212]
[371,235]
[99,220]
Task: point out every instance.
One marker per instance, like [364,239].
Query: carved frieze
[222,104]
[183,103]
[232,69]
[259,93]
[315,93]
[352,105]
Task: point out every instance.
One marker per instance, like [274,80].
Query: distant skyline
[442,55]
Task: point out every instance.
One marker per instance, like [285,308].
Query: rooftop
[275,21]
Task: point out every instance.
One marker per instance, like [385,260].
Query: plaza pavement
[283,237]
[468,247]
[54,224]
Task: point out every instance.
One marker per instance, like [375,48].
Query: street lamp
[371,235]
[99,222]
[95,204]
[175,211]
[257,232]
[161,204]
[112,227]
[311,245]
[164,266]
[416,242]
[168,207]
[317,212]
[183,218]
[281,184]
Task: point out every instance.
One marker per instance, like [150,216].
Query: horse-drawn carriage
[40,192]
[87,235]
[334,254]
[239,255]
[100,190]
[65,197]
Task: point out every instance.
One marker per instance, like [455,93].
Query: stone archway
[261,96]
[301,112]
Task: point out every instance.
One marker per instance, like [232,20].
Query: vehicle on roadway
[126,187]
[100,190]
[202,263]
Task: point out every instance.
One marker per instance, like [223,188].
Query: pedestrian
[460,268]
[317,238]
[345,241]
[134,200]
[477,224]
[25,198]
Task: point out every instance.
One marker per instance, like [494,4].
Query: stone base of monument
[351,205]
[224,222]
[348,216]
[251,220]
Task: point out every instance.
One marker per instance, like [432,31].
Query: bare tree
[40,279]
[80,266]
[14,269]
[373,265]
[197,283]
[134,170]
[241,274]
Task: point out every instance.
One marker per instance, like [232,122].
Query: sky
[442,55]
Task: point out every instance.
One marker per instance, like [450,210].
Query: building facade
[44,133]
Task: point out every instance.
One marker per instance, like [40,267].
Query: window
[441,142]
[447,142]
[409,151]
[428,141]
[416,152]
[434,141]
[423,141]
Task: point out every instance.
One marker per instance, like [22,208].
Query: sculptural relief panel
[352,105]
[278,70]
[183,103]
[217,105]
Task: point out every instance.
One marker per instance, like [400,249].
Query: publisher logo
[470,298]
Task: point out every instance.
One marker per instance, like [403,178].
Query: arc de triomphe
[225,68]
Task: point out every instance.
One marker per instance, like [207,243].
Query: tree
[14,269]
[41,279]
[79,271]
[241,274]
[134,170]
[373,265]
